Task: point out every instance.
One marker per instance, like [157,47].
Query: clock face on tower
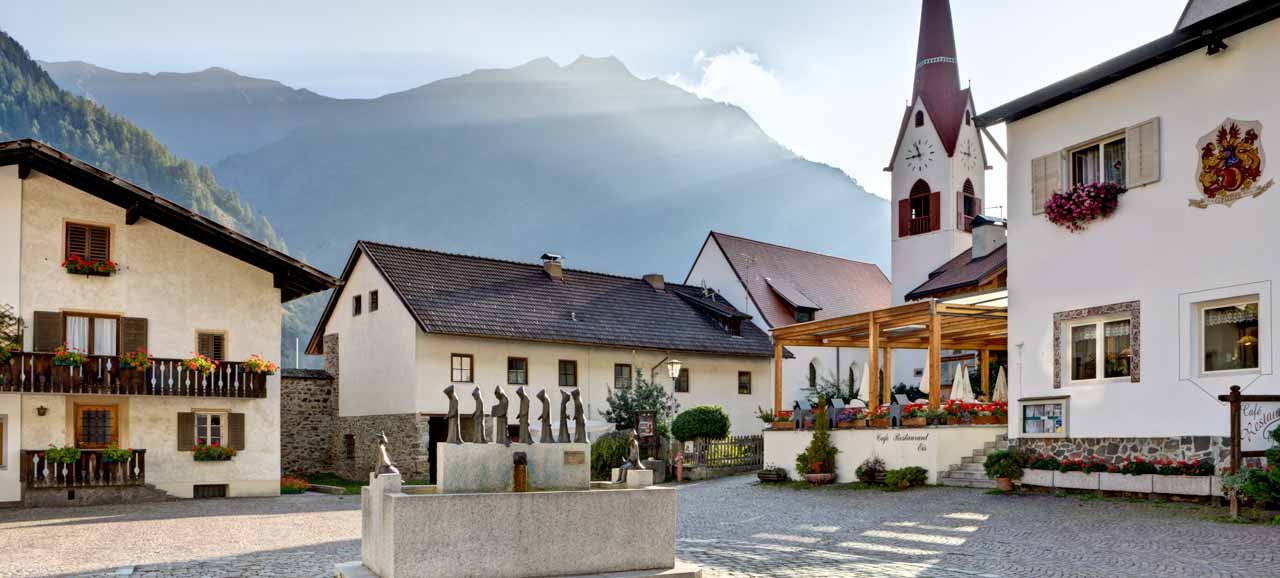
[918,155]
[969,154]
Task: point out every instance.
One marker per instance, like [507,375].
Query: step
[965,483]
[966,475]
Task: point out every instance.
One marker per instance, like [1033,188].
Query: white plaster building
[1123,335]
[779,286]
[183,284]
[407,322]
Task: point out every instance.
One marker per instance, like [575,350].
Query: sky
[828,79]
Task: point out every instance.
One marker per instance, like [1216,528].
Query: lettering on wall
[920,441]
[1257,419]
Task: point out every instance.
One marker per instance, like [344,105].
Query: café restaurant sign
[1257,419]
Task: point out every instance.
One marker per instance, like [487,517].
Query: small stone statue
[579,420]
[477,417]
[455,423]
[499,413]
[545,418]
[523,417]
[564,417]
[384,462]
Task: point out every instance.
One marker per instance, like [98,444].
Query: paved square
[733,527]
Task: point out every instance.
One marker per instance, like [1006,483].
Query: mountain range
[617,173]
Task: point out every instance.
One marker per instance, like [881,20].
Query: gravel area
[732,527]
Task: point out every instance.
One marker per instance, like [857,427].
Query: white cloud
[734,77]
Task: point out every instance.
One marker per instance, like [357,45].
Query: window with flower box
[1101,161]
[211,428]
[89,242]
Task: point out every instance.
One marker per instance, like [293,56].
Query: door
[96,426]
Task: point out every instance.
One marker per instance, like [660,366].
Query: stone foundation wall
[308,409]
[355,456]
[1116,450]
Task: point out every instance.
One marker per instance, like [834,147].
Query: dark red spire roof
[937,76]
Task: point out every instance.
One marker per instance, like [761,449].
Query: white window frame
[1203,306]
[1191,340]
[464,372]
[1100,345]
[1063,401]
[1098,143]
[222,425]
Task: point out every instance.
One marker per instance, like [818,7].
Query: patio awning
[931,325]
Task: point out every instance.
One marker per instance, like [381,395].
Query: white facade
[180,286]
[1155,249]
[390,366]
[712,269]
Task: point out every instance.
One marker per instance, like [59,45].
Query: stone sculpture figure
[384,462]
[579,420]
[564,417]
[499,413]
[477,417]
[633,458]
[545,418]
[523,416]
[455,422]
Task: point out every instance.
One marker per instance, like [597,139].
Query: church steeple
[937,77]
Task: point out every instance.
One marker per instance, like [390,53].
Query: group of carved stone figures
[499,414]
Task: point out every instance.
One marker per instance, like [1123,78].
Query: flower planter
[859,424]
[819,479]
[1004,484]
[1126,483]
[1183,485]
[772,475]
[952,420]
[1002,419]
[1075,480]
[1043,478]
[914,422]
[878,423]
[782,425]
[984,420]
[844,425]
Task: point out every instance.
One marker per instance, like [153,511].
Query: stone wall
[1116,450]
[308,410]
[355,456]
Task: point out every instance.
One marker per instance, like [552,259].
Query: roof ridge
[499,260]
[719,234]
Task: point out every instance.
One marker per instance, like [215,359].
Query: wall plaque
[1231,164]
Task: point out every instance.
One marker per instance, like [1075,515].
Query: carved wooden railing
[91,469]
[919,225]
[102,375]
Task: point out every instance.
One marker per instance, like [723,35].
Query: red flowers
[81,266]
[1083,203]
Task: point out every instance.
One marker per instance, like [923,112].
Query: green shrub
[820,456]
[608,452]
[1045,462]
[704,421]
[903,478]
[870,470]
[1005,464]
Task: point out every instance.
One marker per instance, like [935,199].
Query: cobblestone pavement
[732,527]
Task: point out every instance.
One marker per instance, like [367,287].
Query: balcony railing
[919,225]
[90,470]
[102,375]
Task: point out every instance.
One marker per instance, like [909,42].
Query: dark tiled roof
[476,296]
[962,271]
[838,286]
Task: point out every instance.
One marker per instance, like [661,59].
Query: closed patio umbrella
[1002,387]
[960,389]
[924,379]
[864,385]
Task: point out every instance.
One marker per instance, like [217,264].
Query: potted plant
[200,364]
[67,356]
[257,365]
[871,470]
[782,421]
[64,455]
[1005,467]
[958,413]
[292,485]
[936,416]
[134,366]
[847,416]
[984,414]
[214,452]
[817,462]
[1183,478]
[772,474]
[878,417]
[915,415]
[1039,471]
[1000,409]
[77,265]
[114,454]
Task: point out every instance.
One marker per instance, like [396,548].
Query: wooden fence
[737,453]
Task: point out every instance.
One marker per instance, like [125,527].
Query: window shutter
[1046,179]
[186,431]
[960,210]
[211,345]
[99,244]
[935,211]
[77,240]
[1142,153]
[904,217]
[46,331]
[235,430]
[133,334]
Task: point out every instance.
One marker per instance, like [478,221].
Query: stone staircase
[969,473]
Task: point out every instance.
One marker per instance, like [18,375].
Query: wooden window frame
[470,371]
[215,332]
[509,370]
[66,238]
[682,377]
[91,316]
[373,301]
[76,419]
[560,373]
[746,374]
[224,437]
[630,376]
[356,305]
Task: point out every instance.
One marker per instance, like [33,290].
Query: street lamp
[673,368]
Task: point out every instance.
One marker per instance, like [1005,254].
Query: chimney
[656,281]
[988,235]
[553,265]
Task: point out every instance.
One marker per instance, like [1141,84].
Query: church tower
[938,162]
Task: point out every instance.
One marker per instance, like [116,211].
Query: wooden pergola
[932,325]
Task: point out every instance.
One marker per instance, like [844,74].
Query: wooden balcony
[919,225]
[102,375]
[89,471]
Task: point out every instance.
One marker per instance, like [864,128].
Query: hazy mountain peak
[603,67]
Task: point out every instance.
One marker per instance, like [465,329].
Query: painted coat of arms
[1231,163]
